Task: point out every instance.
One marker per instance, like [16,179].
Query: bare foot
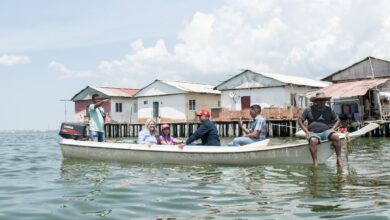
[315,163]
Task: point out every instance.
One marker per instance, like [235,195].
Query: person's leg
[334,137]
[233,143]
[93,136]
[314,140]
[240,141]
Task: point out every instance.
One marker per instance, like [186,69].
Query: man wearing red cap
[207,131]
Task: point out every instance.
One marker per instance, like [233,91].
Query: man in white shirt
[96,119]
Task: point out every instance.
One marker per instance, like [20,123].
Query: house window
[145,102]
[192,104]
[299,101]
[293,100]
[219,103]
[135,107]
[118,107]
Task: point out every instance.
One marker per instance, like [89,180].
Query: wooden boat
[254,154]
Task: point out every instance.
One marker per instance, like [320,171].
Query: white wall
[274,96]
[170,106]
[128,114]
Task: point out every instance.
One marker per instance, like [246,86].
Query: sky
[50,50]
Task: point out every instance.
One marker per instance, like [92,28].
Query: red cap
[165,126]
[204,112]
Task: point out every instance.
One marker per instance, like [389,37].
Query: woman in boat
[166,138]
[149,134]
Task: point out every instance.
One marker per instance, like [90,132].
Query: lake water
[37,183]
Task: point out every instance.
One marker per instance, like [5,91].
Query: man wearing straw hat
[320,118]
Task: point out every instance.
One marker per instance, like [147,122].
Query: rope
[347,145]
[287,126]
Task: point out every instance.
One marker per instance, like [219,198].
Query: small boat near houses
[258,153]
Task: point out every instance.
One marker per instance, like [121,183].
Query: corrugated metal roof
[296,80]
[350,89]
[108,91]
[192,87]
[329,78]
[116,92]
[286,79]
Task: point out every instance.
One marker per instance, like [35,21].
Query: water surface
[37,183]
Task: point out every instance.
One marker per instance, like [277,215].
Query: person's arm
[100,103]
[301,120]
[141,137]
[176,141]
[202,130]
[162,141]
[337,119]
[245,130]
[254,134]
[303,127]
[336,124]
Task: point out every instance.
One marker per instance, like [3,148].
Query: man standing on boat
[96,119]
[320,118]
[207,131]
[257,132]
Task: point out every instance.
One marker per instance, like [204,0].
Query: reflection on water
[37,183]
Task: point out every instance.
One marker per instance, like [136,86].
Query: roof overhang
[350,89]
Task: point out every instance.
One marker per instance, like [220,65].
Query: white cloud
[308,38]
[11,60]
[65,72]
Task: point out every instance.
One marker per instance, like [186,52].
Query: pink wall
[80,106]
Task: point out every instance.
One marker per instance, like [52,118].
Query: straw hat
[319,96]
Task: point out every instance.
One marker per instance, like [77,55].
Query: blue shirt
[259,124]
[207,132]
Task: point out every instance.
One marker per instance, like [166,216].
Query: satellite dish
[236,97]
[232,94]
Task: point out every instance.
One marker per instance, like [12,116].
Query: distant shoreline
[28,130]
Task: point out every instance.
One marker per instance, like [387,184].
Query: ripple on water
[37,183]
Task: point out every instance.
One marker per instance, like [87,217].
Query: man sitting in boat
[207,131]
[257,132]
[166,138]
[148,135]
[320,118]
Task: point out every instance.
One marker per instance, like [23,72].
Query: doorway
[155,109]
[245,102]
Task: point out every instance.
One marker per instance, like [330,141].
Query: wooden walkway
[277,128]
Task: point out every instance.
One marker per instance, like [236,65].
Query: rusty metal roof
[349,89]
[117,92]
[87,92]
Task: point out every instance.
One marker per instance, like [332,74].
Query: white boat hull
[253,154]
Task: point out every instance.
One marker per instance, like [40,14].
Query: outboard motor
[76,131]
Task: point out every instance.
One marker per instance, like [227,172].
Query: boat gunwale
[196,149]
[252,148]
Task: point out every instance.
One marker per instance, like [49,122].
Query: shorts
[321,135]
